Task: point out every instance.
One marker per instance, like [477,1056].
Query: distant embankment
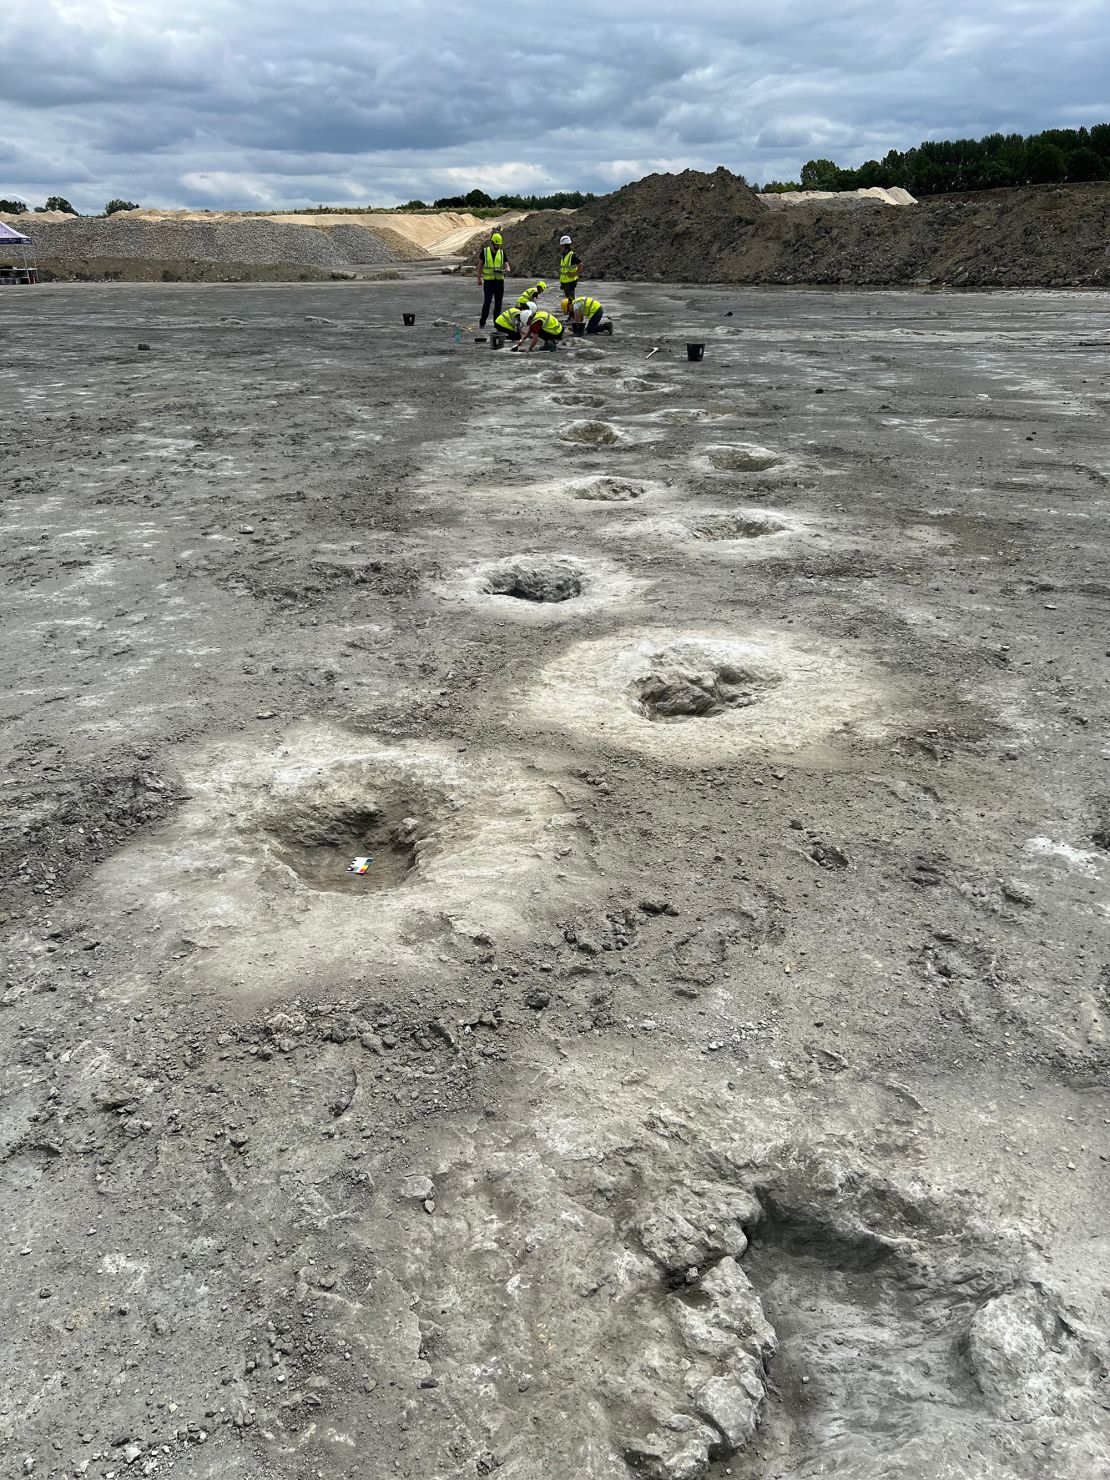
[711,228]
[248,241]
[692,227]
[208,246]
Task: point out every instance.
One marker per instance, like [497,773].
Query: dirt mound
[1035,236]
[703,228]
[664,226]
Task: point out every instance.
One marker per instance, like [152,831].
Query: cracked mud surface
[710,1080]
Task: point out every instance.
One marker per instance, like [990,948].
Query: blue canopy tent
[9,273]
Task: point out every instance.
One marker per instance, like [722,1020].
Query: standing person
[588,311]
[570,267]
[539,327]
[492,268]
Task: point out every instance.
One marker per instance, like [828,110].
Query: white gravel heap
[257,241]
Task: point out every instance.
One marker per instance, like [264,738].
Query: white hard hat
[564,241]
[526,313]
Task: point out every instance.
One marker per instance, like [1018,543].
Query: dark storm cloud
[227,103]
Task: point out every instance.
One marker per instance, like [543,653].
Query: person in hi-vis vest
[570,268]
[588,311]
[509,322]
[492,268]
[540,329]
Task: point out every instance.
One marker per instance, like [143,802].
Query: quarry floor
[708,1076]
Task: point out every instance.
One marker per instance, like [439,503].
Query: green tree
[1045,161]
[820,174]
[893,169]
[13,207]
[57,203]
[869,174]
[120,205]
[1087,164]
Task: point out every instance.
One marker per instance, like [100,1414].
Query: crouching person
[540,328]
[508,323]
[588,311]
[530,295]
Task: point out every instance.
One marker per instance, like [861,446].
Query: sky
[231,105]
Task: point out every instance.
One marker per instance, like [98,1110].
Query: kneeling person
[588,311]
[539,326]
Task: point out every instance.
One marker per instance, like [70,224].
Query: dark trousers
[493,293]
[593,324]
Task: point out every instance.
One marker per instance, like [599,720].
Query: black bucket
[695,351]
[497,341]
[409,318]
[578,330]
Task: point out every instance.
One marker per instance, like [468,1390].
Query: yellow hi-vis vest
[568,268]
[548,323]
[509,320]
[589,307]
[527,296]
[493,265]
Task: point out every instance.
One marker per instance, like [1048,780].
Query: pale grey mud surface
[709,1076]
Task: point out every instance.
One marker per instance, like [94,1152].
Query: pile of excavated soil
[703,228]
[1052,236]
[665,227]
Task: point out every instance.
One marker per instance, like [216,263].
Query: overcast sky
[224,103]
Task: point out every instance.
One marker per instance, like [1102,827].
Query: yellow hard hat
[496,238]
[541,287]
[565,305]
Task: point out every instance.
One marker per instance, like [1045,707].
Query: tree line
[474,200]
[59,203]
[478,200]
[942,165]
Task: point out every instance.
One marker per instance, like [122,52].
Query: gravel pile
[365,244]
[256,241]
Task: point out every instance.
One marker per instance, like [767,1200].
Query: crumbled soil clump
[678,691]
[609,491]
[534,581]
